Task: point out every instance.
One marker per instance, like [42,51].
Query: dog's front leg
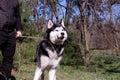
[42,76]
[38,73]
[52,75]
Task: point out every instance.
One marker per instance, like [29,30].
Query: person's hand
[19,34]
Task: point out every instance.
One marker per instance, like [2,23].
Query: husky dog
[50,50]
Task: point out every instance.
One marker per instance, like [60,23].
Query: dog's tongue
[62,37]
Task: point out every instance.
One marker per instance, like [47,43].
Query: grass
[66,73]
[24,58]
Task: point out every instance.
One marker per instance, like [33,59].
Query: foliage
[25,53]
[106,61]
[25,14]
[71,55]
[28,25]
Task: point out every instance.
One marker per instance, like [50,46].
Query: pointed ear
[62,22]
[50,24]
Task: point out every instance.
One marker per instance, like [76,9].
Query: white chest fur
[52,61]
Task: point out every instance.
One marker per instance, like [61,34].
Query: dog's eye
[56,30]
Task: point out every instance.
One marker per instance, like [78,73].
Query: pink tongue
[62,37]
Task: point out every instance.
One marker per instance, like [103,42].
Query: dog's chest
[55,56]
[48,63]
[55,51]
[50,50]
[50,55]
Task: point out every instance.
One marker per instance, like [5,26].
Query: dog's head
[56,33]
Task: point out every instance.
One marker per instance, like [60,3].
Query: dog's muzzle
[61,37]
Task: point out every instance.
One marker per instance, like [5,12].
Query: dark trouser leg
[8,51]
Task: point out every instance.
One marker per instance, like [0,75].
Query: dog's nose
[62,33]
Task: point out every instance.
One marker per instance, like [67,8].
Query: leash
[29,37]
[37,39]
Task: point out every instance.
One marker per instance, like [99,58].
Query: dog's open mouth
[61,37]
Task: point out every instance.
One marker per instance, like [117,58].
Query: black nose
[62,33]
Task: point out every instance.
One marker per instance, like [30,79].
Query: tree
[68,12]
[85,48]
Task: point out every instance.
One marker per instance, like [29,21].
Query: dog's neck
[57,47]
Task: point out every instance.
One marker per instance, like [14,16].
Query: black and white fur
[50,50]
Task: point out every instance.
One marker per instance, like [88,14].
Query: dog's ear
[62,22]
[50,24]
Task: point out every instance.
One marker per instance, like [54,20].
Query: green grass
[66,73]
[25,56]
[102,66]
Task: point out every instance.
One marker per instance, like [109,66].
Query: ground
[26,72]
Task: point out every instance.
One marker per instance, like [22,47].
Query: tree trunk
[85,49]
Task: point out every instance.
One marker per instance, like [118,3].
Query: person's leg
[8,51]
[2,40]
